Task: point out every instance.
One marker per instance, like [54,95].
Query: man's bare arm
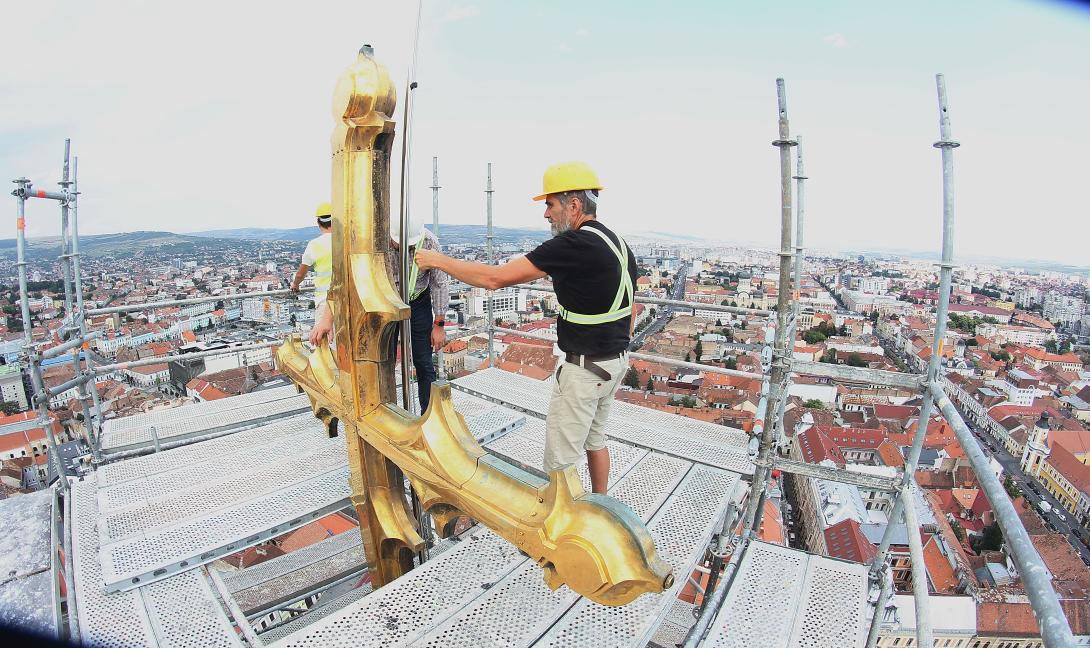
[478,274]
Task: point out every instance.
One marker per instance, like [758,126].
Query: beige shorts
[578,412]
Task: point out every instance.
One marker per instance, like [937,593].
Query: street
[662,313]
[1031,490]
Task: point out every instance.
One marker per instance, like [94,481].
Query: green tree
[632,378]
[1001,355]
[990,539]
[9,408]
[650,384]
[685,401]
[698,351]
[730,363]
[688,358]
[874,317]
[959,532]
[814,403]
[1012,488]
[855,360]
[829,357]
[813,336]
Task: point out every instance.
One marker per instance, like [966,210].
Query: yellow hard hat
[324,209]
[568,176]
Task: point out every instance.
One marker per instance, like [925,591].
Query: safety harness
[615,311]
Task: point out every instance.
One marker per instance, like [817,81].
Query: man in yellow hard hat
[593,274]
[319,256]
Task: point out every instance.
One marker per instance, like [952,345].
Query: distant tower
[1036,450]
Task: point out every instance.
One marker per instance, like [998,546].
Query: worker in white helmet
[318,256]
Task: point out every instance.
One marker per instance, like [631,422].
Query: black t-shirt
[585,275]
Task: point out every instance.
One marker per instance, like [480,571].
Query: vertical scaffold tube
[442,368]
[28,339]
[488,294]
[760,476]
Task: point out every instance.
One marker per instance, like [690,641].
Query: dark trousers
[420,324]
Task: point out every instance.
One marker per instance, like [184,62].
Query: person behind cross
[593,274]
[318,256]
[429,297]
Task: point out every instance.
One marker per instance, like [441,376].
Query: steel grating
[116,620]
[682,528]
[281,442]
[190,543]
[676,625]
[277,567]
[306,579]
[417,600]
[785,597]
[320,611]
[202,497]
[527,445]
[160,462]
[197,409]
[175,428]
[705,443]
[521,607]
[184,613]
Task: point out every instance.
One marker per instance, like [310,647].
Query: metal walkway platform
[483,592]
[157,517]
[782,598]
[201,419]
[696,441]
[164,513]
[296,575]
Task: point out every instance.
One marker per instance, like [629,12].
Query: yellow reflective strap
[414,270]
[624,288]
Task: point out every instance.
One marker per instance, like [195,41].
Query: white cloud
[461,12]
[837,40]
[582,32]
[562,47]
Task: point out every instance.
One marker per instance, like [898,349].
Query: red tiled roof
[1017,619]
[816,447]
[1070,467]
[938,567]
[890,454]
[845,540]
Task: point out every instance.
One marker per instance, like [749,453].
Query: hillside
[123,244]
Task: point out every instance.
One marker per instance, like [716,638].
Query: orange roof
[938,567]
[772,524]
[1070,467]
[1017,619]
[845,540]
[965,496]
[891,454]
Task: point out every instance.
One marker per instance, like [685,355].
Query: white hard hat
[415,232]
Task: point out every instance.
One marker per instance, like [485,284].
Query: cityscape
[1015,360]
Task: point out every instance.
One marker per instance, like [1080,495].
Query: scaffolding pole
[33,361]
[130,308]
[488,251]
[779,368]
[780,433]
[442,368]
[1036,578]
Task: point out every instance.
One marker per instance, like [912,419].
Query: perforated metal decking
[176,509]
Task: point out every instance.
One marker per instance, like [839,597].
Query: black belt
[588,362]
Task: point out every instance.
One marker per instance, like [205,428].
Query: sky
[208,115]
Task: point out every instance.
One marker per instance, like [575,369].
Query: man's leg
[421,340]
[574,400]
[598,466]
[597,452]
